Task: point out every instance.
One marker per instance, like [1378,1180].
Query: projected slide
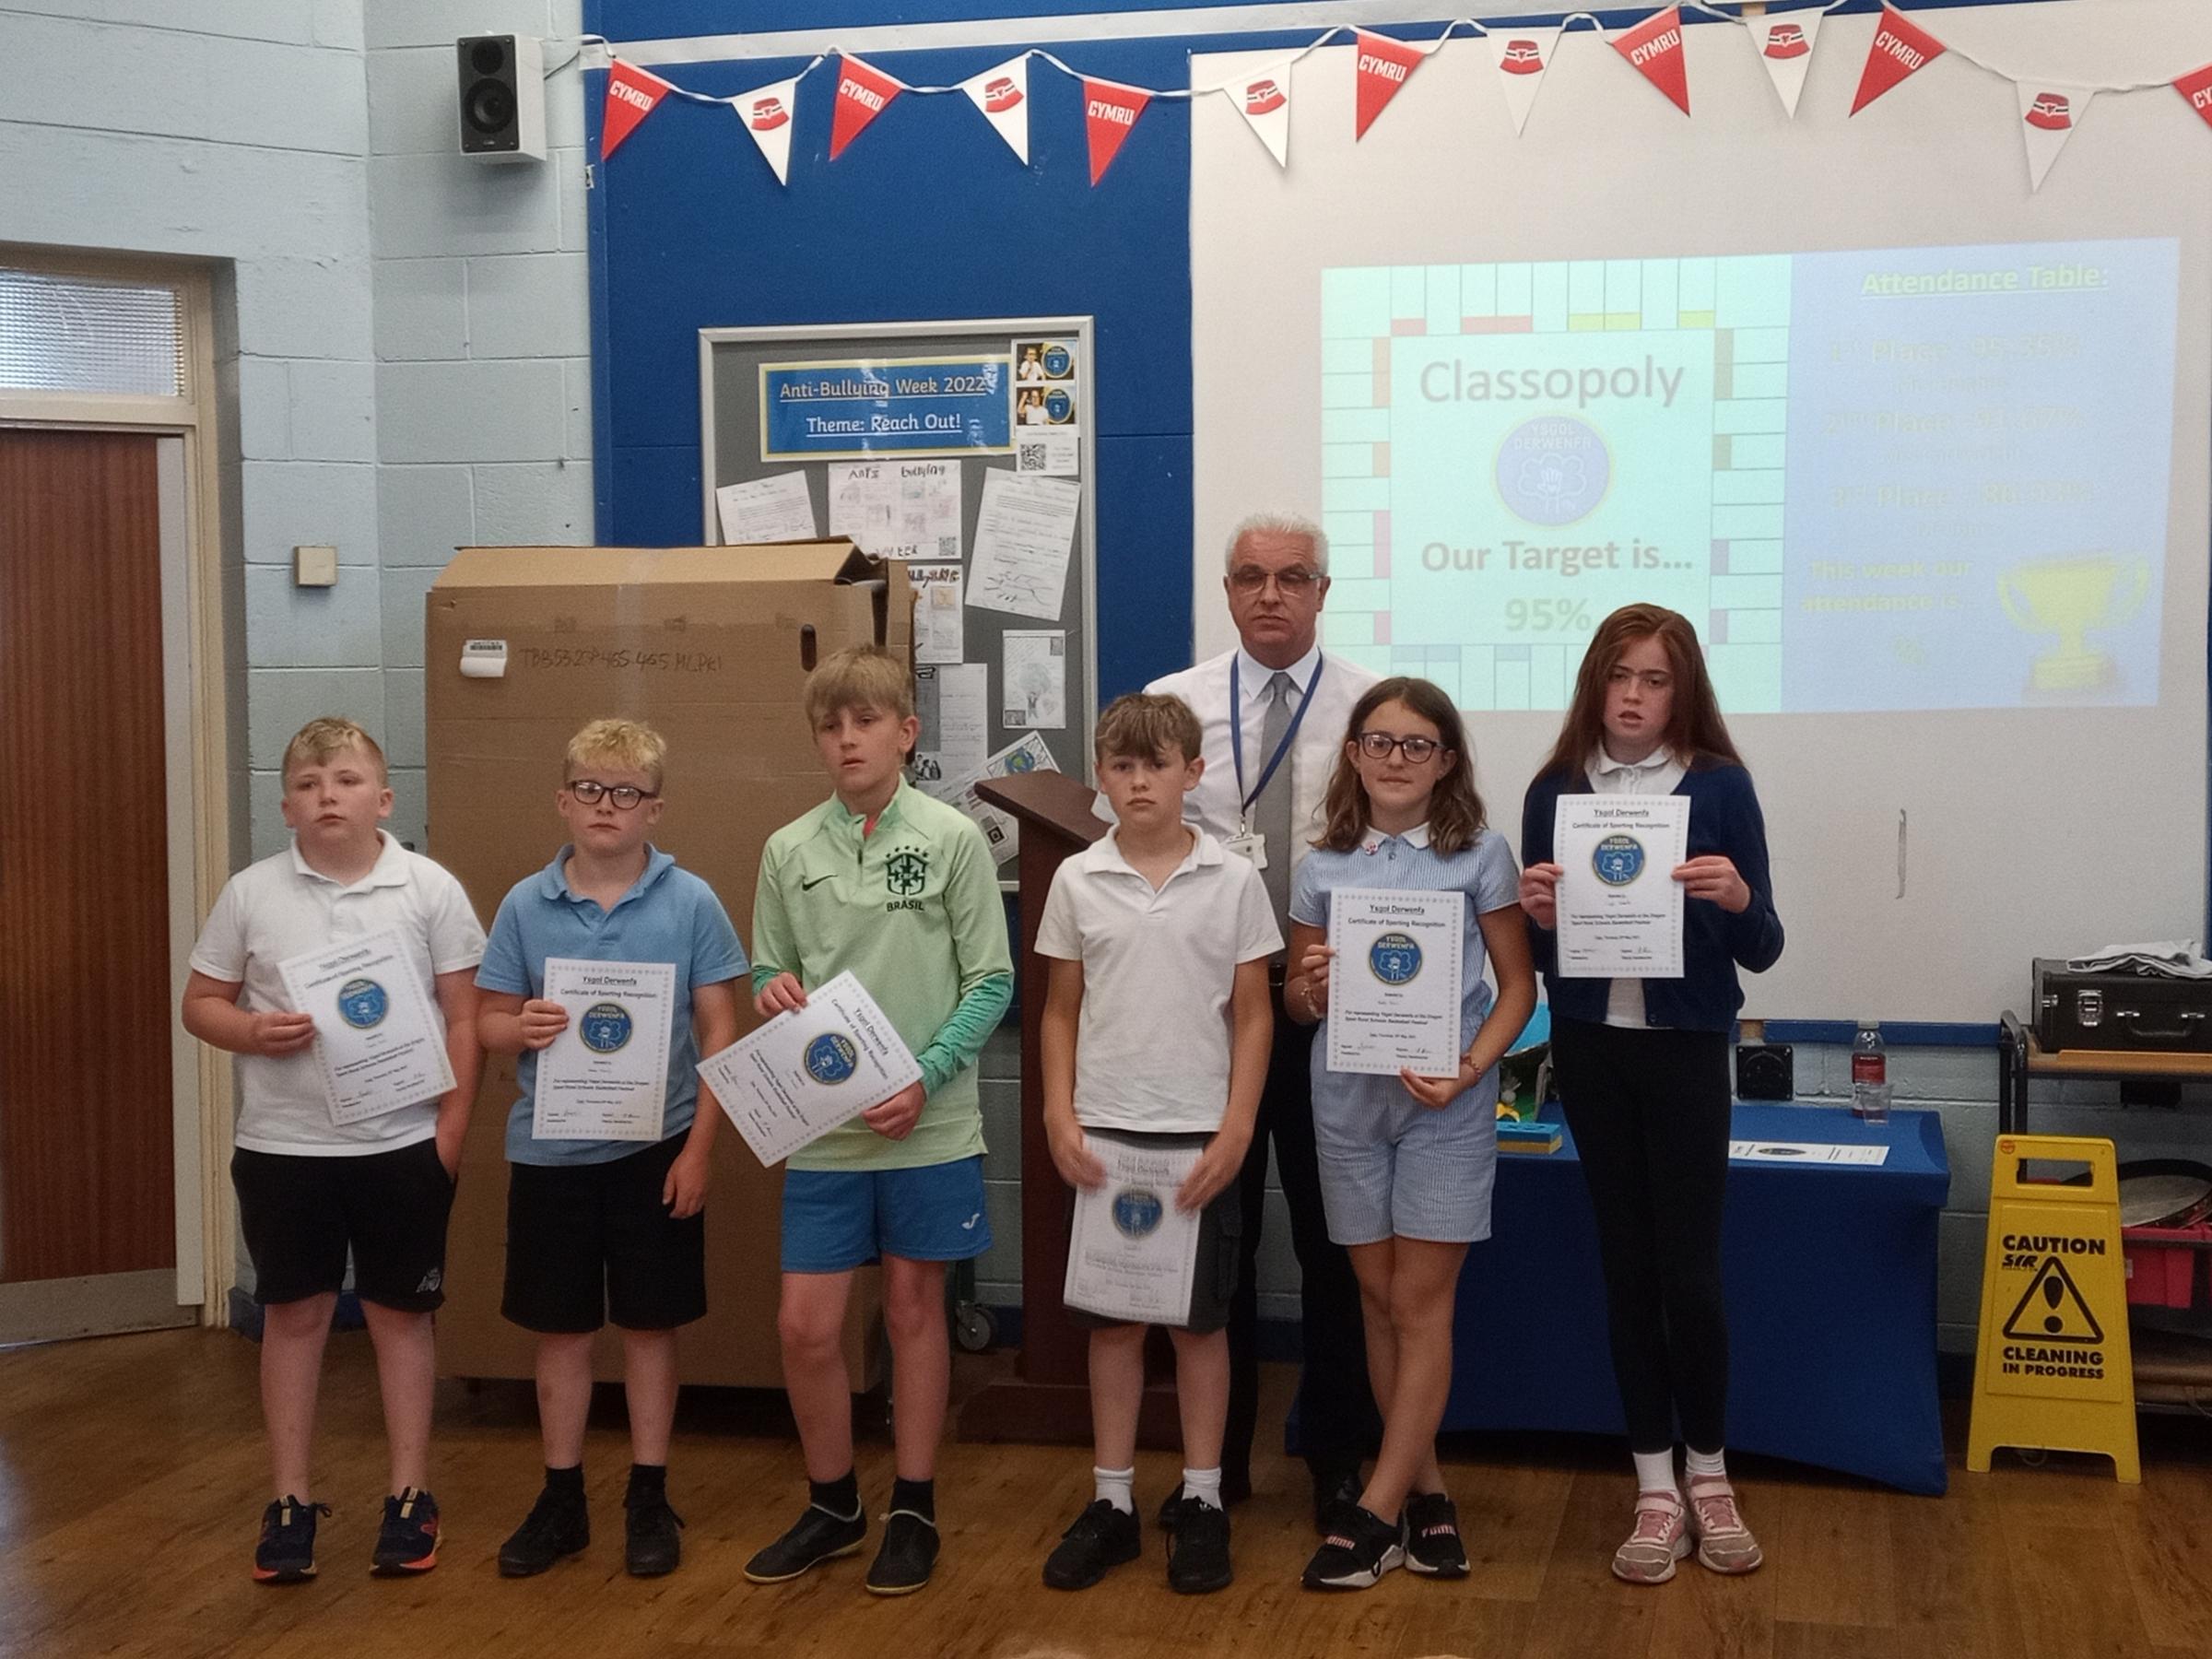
[1905,479]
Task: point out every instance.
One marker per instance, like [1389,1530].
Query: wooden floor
[131,1482]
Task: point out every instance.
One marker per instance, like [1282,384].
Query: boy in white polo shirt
[311,1190]
[1157,1028]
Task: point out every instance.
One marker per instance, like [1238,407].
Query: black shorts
[1220,1234]
[300,1215]
[591,1243]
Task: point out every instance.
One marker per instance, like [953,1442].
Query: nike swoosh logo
[968,1225]
[808,887]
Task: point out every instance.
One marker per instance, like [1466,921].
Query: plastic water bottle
[1870,1075]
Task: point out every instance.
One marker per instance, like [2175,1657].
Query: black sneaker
[1235,1489]
[1335,1499]
[650,1544]
[557,1526]
[910,1551]
[817,1536]
[1198,1549]
[1433,1547]
[286,1554]
[1357,1556]
[408,1541]
[1102,1536]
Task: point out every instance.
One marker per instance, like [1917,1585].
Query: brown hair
[628,744]
[318,741]
[860,676]
[1148,725]
[1695,732]
[1456,816]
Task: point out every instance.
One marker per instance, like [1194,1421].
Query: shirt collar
[854,823]
[1253,675]
[1104,856]
[553,881]
[390,869]
[1416,837]
[1657,760]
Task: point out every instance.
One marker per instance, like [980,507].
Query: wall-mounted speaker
[502,93]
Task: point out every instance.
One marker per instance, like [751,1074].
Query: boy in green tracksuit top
[900,890]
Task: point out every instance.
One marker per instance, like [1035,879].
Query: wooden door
[87,1189]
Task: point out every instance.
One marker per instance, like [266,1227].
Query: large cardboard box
[712,647]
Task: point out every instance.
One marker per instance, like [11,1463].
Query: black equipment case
[2155,1012]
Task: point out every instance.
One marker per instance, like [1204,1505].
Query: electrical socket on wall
[1765,1071]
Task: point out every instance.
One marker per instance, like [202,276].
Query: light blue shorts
[1391,1166]
[838,1220]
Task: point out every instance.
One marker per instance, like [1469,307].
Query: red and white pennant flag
[1654,49]
[1263,100]
[1901,48]
[768,113]
[1786,49]
[1109,110]
[1522,56]
[864,92]
[2196,87]
[2048,116]
[631,95]
[1380,66]
[1002,97]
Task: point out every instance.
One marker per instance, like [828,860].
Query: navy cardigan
[1723,817]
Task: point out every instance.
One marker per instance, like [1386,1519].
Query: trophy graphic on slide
[2068,597]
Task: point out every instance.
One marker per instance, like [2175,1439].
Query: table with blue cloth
[1830,1277]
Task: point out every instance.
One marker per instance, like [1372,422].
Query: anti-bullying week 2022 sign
[821,410]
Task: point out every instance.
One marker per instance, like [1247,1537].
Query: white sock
[1703,1465]
[1113,1485]
[1204,1485]
[1655,1472]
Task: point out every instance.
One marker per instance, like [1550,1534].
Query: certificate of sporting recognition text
[377,1042]
[1619,905]
[806,1072]
[606,1077]
[1132,1252]
[1394,983]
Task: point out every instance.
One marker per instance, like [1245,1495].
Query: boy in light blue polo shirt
[602,1228]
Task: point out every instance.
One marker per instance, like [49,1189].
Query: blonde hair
[628,744]
[1148,725]
[860,676]
[316,742]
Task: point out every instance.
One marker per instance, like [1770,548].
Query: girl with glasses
[1642,1068]
[1406,1161]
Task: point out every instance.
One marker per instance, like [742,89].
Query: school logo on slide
[362,1002]
[1138,1212]
[832,1058]
[606,1028]
[905,872]
[1618,860]
[1395,958]
[1554,469]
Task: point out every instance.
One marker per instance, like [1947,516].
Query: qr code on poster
[1029,458]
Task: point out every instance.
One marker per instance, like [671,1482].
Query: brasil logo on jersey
[906,872]
[606,1027]
[832,1058]
[1395,958]
[363,1003]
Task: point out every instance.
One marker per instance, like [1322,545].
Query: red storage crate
[2161,1262]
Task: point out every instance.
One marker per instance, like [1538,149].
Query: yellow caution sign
[2053,1370]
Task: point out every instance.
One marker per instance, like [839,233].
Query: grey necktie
[1271,812]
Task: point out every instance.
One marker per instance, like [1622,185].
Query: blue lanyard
[1236,729]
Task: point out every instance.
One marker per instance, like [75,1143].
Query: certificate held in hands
[606,1077]
[1133,1253]
[806,1072]
[1619,905]
[1395,982]
[378,1044]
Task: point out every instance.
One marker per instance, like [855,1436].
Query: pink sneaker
[1724,1543]
[1661,1539]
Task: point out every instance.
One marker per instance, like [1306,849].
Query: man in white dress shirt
[1274,711]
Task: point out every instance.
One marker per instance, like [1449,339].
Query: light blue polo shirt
[668,915]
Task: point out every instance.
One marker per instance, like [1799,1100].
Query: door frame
[195,717]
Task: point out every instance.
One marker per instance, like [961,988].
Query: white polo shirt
[1312,758]
[277,909]
[1152,1046]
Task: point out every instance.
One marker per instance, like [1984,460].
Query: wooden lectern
[1049,1396]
